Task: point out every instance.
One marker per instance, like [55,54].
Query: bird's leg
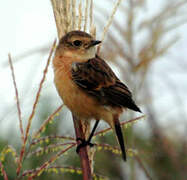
[93,131]
[87,142]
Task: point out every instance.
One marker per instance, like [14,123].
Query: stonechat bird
[88,86]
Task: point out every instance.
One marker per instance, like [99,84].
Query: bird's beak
[93,43]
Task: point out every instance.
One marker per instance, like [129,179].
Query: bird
[88,86]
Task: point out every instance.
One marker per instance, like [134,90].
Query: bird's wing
[97,79]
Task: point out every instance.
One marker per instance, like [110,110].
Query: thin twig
[42,127]
[22,152]
[113,149]
[47,121]
[51,168]
[56,169]
[17,97]
[122,124]
[46,139]
[50,161]
[39,91]
[3,171]
[142,166]
[109,23]
[50,148]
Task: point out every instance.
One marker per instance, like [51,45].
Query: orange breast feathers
[79,102]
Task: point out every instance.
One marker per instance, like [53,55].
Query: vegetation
[46,152]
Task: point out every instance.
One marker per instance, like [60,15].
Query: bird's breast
[79,102]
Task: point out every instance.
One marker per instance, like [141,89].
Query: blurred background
[146,47]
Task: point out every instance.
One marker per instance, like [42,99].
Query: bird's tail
[120,138]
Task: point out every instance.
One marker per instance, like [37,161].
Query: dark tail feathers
[120,139]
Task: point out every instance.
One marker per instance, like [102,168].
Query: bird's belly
[78,101]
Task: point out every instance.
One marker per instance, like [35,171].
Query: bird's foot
[83,143]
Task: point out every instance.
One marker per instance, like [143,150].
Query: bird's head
[78,44]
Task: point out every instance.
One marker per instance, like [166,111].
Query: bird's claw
[83,144]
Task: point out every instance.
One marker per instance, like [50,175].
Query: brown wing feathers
[97,78]
[119,96]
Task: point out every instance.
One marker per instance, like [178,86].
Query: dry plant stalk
[22,152]
[151,48]
[86,160]
[66,19]
[50,161]
[42,128]
[46,138]
[68,15]
[109,23]
[3,171]
[122,124]
[17,97]
[50,148]
[142,167]
[36,134]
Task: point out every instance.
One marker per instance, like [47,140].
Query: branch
[142,167]
[45,165]
[46,122]
[22,152]
[124,123]
[17,97]
[3,171]
[83,153]
[106,28]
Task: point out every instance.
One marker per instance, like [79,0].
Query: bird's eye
[77,43]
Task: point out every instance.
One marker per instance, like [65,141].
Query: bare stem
[22,152]
[43,139]
[47,121]
[122,124]
[109,23]
[17,97]
[50,161]
[83,153]
[142,167]
[3,171]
